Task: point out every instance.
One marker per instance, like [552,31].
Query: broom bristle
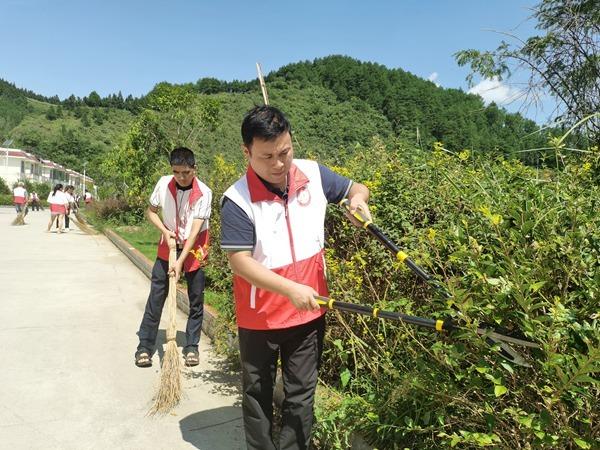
[83,226]
[169,391]
[80,218]
[19,220]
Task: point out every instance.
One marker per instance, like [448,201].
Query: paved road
[70,305]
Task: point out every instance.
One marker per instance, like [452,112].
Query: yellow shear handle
[324,301]
[356,214]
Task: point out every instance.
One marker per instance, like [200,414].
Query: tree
[563,60]
[4,189]
[93,99]
[51,113]
[209,86]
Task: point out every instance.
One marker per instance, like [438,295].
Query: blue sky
[68,47]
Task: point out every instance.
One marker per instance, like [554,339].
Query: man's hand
[175,271]
[303,297]
[358,206]
[168,234]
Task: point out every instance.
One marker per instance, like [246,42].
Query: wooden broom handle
[172,295]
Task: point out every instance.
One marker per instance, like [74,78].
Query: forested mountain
[451,116]
[13,108]
[457,119]
[335,103]
[68,132]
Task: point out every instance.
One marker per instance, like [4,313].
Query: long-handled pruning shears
[493,336]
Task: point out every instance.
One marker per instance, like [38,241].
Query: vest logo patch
[303,196]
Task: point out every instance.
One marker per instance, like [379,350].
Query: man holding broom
[20,197]
[273,232]
[186,205]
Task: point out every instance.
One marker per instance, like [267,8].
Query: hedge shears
[493,335]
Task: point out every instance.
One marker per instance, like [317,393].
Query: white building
[16,165]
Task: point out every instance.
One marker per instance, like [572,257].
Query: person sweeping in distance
[58,207]
[186,205]
[20,197]
[20,201]
[272,225]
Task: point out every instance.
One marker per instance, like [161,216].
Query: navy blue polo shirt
[237,230]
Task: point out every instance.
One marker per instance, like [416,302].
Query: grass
[143,237]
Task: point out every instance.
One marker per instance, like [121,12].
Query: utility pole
[84,164]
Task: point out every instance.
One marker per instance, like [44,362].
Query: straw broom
[169,391]
[20,219]
[82,224]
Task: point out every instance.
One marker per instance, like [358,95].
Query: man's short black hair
[182,156]
[264,122]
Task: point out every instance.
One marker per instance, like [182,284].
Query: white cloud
[433,77]
[493,90]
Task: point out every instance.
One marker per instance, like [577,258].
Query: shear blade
[509,353]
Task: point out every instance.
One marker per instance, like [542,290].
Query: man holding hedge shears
[272,228]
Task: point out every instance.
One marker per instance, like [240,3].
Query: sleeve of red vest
[237,230]
[335,186]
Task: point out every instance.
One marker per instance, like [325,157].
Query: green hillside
[321,124]
[70,137]
[13,108]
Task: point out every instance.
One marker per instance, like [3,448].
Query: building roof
[16,153]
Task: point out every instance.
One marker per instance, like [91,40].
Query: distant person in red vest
[272,228]
[87,197]
[20,197]
[58,207]
[71,205]
[186,205]
[34,200]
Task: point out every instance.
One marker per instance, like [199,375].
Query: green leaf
[507,366]
[500,390]
[581,443]
[536,286]
[526,420]
[585,379]
[338,345]
[345,377]
[455,440]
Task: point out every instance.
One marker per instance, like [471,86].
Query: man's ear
[246,150]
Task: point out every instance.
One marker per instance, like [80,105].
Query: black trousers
[159,289]
[300,350]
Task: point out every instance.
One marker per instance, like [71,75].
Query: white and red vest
[289,241]
[19,195]
[172,214]
[58,202]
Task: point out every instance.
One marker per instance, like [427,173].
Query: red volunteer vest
[289,241]
[19,196]
[199,252]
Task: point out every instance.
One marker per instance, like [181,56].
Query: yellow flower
[496,219]
[431,234]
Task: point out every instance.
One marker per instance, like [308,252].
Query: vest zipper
[290,237]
